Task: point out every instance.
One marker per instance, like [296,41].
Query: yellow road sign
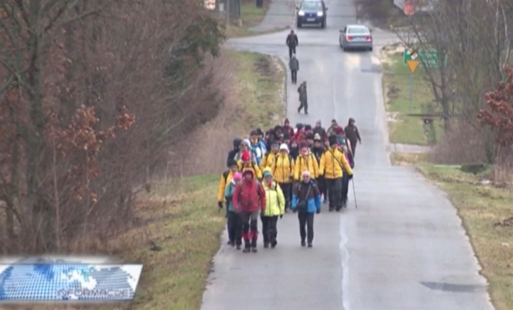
[413,65]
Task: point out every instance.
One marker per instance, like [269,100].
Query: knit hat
[237,176]
[308,127]
[245,156]
[285,147]
[332,140]
[317,137]
[339,130]
[268,172]
[247,142]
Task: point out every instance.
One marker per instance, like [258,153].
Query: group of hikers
[282,170]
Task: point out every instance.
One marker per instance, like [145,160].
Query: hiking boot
[266,245]
[238,246]
[310,245]
[254,250]
[303,243]
[274,244]
[338,209]
[331,209]
[229,242]
[246,250]
[298,110]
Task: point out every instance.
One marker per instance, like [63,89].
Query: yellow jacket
[283,168]
[274,200]
[225,179]
[268,160]
[331,164]
[308,162]
[258,172]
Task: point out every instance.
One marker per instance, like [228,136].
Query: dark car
[311,12]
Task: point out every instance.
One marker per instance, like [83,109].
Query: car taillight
[368,38]
[348,38]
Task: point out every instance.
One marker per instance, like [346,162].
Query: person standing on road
[248,199]
[306,162]
[235,224]
[303,98]
[306,201]
[317,150]
[292,42]
[353,135]
[345,177]
[224,181]
[274,208]
[332,162]
[294,68]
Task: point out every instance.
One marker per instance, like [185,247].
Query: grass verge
[251,16]
[408,159]
[396,84]
[260,84]
[487,216]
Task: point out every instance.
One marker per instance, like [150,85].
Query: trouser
[306,222]
[353,146]
[292,50]
[335,192]
[303,104]
[321,183]
[269,228]
[234,228]
[293,73]
[345,189]
[286,188]
[249,228]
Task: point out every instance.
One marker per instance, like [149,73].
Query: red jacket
[249,196]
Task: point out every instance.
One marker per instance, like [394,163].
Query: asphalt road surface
[403,248]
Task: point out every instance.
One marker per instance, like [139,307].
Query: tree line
[93,94]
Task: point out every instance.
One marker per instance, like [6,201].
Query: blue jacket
[228,194]
[314,196]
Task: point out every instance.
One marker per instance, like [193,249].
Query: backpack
[276,159]
[225,176]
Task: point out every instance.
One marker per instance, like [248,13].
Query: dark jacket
[292,40]
[317,152]
[232,153]
[294,64]
[352,133]
[321,131]
[313,199]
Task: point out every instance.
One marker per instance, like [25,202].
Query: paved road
[403,248]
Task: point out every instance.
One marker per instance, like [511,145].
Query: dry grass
[408,159]
[396,83]
[487,214]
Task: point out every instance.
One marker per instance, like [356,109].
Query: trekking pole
[354,193]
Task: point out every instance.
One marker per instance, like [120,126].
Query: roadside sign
[409,7]
[413,65]
[431,58]
[409,54]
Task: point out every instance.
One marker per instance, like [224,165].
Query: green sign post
[431,58]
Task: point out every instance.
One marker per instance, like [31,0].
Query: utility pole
[228,12]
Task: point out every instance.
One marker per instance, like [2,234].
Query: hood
[236,143]
[248,170]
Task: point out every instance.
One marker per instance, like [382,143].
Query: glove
[220,204]
[281,216]
[351,177]
[318,211]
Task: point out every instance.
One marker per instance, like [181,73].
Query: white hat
[284,146]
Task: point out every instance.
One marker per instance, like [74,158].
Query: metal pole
[411,91]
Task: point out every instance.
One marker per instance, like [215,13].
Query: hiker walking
[283,170]
[246,162]
[317,150]
[318,129]
[269,158]
[249,199]
[345,177]
[306,201]
[292,42]
[224,181]
[305,162]
[274,208]
[303,100]
[294,68]
[332,162]
[235,227]
[352,134]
